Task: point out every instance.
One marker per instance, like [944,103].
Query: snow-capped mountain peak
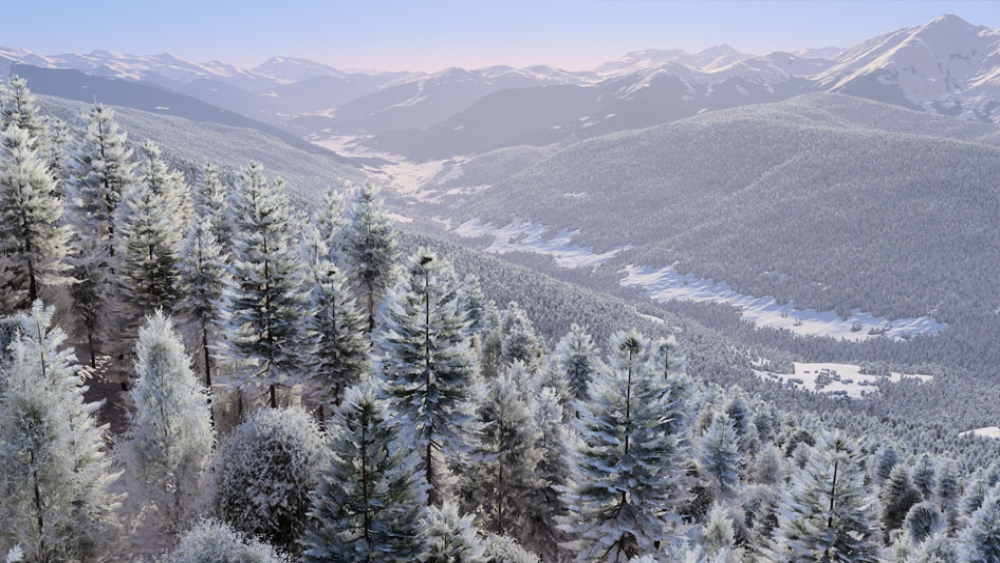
[945,63]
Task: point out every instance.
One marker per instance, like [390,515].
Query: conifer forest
[201,362]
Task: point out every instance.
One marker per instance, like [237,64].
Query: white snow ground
[533,237]
[665,284]
[844,379]
[985,432]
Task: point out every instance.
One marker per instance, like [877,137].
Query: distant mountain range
[946,66]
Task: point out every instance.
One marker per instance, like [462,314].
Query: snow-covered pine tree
[949,490]
[939,548]
[720,458]
[826,514]
[448,537]
[981,536]
[666,355]
[578,359]
[330,219]
[367,504]
[55,477]
[342,347]
[473,302]
[203,280]
[212,541]
[924,475]
[500,483]
[502,549]
[101,171]
[426,363]
[542,534]
[520,341]
[369,245]
[265,304]
[210,201]
[492,337]
[58,136]
[150,233]
[169,441]
[32,237]
[337,326]
[267,471]
[719,536]
[923,521]
[20,109]
[627,465]
[898,496]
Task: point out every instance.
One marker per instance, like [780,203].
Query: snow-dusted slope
[947,65]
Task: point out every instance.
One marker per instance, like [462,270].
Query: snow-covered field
[534,237]
[665,284]
[985,432]
[840,379]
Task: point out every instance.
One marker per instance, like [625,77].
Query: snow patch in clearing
[531,237]
[399,218]
[665,284]
[844,380]
[985,432]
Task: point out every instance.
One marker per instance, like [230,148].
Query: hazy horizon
[433,36]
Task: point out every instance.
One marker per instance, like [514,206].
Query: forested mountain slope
[197,143]
[297,363]
[832,201]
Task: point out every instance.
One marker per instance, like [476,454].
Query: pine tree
[369,244]
[578,359]
[542,534]
[925,475]
[426,363]
[825,514]
[939,548]
[169,441]
[203,280]
[366,506]
[330,220]
[211,541]
[949,490]
[342,347]
[720,457]
[981,536]
[32,237]
[898,496]
[267,471]
[448,537]
[210,202]
[55,479]
[20,109]
[627,465]
[501,483]
[100,173]
[150,231]
[473,302]
[58,137]
[265,305]
[885,461]
[502,549]
[923,521]
[520,342]
[719,536]
[492,336]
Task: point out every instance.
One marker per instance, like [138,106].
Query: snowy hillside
[947,66]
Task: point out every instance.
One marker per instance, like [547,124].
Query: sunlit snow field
[841,379]
[532,237]
[664,284]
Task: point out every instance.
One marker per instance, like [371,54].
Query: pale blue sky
[430,35]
